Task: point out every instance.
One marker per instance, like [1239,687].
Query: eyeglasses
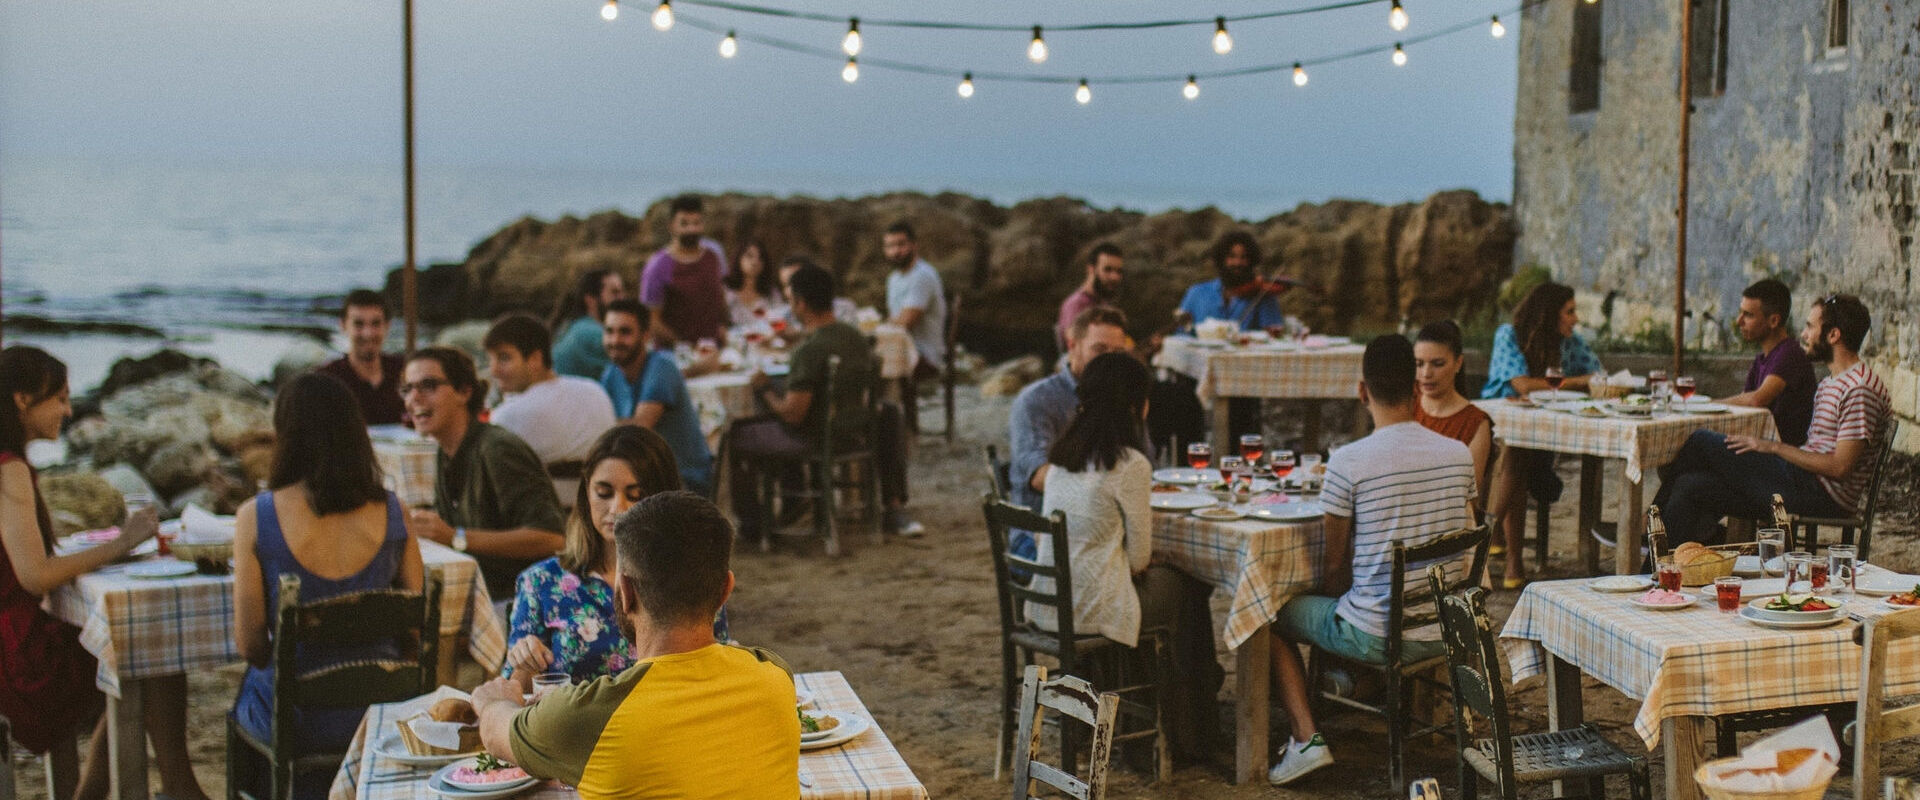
[428,385]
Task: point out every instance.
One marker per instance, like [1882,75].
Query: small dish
[1555,395]
[1691,601]
[161,569]
[851,725]
[1749,615]
[1181,501]
[1620,583]
[1219,513]
[1759,608]
[475,791]
[1701,408]
[802,698]
[1185,475]
[1288,512]
[392,748]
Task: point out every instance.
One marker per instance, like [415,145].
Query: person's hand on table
[498,690]
[1742,443]
[426,524]
[140,526]
[529,657]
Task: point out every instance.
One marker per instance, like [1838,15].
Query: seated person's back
[1401,484]
[852,383]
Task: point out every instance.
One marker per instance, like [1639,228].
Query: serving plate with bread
[408,747]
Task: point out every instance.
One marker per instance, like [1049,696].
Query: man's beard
[623,357]
[1820,352]
[688,241]
[1231,277]
[1105,291]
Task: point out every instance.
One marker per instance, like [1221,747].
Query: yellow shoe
[1496,549]
[1513,582]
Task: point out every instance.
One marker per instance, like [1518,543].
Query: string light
[1192,89]
[1037,49]
[1397,17]
[1222,41]
[966,85]
[851,44]
[1498,30]
[1084,94]
[1399,55]
[1299,74]
[730,45]
[610,11]
[851,72]
[663,16]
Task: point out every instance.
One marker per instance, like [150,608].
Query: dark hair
[32,372]
[460,372]
[1112,391]
[1226,243]
[523,333]
[762,283]
[628,305]
[365,298]
[676,546]
[1095,315]
[813,286]
[686,204]
[1447,332]
[1536,326]
[903,227]
[1847,314]
[653,466]
[320,438]
[1387,368]
[1774,297]
[797,260]
[573,305]
[1103,249]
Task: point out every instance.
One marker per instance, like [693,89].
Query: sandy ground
[912,624]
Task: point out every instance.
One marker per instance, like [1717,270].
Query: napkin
[445,735]
[200,526]
[1755,771]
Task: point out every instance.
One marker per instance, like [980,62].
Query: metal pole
[409,282]
[1686,147]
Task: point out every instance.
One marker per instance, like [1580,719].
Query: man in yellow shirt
[692,718]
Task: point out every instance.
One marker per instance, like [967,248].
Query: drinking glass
[1799,565]
[140,501]
[1251,446]
[1657,388]
[1230,466]
[1282,461]
[1842,563]
[1554,378]
[548,681]
[1669,574]
[1726,591]
[1684,387]
[1309,476]
[1198,454]
[1771,541]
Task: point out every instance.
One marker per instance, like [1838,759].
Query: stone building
[1806,138]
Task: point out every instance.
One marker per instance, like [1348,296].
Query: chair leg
[1004,749]
[769,485]
[948,385]
[7,786]
[823,511]
[1542,521]
[1726,739]
[1641,788]
[63,766]
[1397,732]
[1469,779]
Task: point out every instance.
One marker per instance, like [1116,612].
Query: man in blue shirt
[1238,294]
[647,389]
[1043,409]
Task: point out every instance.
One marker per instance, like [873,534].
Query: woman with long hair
[1438,357]
[327,518]
[563,617]
[753,288]
[1539,337]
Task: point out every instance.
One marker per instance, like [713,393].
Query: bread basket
[469,739]
[220,552]
[1601,389]
[1702,777]
[1705,567]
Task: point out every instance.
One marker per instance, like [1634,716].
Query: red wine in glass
[1684,387]
[1554,378]
[1199,454]
[1251,446]
[1282,463]
[1230,467]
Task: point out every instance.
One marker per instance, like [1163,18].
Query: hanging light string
[870,22]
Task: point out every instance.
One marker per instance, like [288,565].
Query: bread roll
[453,709]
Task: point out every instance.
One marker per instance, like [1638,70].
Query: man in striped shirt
[1401,484]
[1716,476]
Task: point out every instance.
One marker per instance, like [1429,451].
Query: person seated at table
[843,307]
[326,518]
[1443,408]
[558,416]
[1401,484]
[1781,378]
[576,324]
[681,284]
[797,416]
[369,373]
[1717,475]
[491,496]
[46,678]
[1539,337]
[1098,475]
[916,298]
[1105,268]
[563,618]
[691,717]
[1045,407]
[753,290]
[647,390]
[1241,296]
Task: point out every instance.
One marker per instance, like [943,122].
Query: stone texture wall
[1804,169]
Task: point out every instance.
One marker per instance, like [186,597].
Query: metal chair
[1874,725]
[832,466]
[1505,759]
[1409,607]
[999,471]
[358,618]
[1863,521]
[1074,698]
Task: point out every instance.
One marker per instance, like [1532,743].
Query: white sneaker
[1299,759]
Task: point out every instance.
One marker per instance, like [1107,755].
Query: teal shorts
[1310,618]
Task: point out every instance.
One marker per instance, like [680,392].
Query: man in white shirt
[915,299]
[1401,484]
[559,416]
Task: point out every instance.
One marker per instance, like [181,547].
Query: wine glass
[1684,386]
[1282,461]
[1230,467]
[1199,454]
[1251,445]
[1554,377]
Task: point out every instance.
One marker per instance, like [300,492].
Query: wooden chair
[1862,522]
[1874,725]
[1073,698]
[358,618]
[1409,607]
[1504,759]
[61,762]
[999,474]
[7,788]
[947,371]
[828,469]
[1077,653]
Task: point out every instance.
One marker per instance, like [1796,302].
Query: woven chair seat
[1555,755]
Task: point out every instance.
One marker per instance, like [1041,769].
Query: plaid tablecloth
[867,768]
[141,628]
[720,398]
[1695,661]
[1643,443]
[411,465]
[1262,564]
[894,347]
[1324,373]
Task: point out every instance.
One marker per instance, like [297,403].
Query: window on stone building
[1583,78]
[1709,47]
[1837,20]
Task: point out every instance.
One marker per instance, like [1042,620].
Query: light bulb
[1399,55]
[729,46]
[1037,50]
[1397,18]
[663,16]
[1222,41]
[1192,89]
[1498,30]
[1299,74]
[851,44]
[1083,94]
[966,85]
[610,11]
[851,72]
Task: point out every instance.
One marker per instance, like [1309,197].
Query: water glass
[1799,567]
[548,681]
[1843,561]
[1657,388]
[1772,542]
[1309,475]
[1726,592]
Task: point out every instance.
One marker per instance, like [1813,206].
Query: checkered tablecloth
[411,465]
[894,347]
[1294,373]
[1262,564]
[1695,661]
[720,398]
[1643,443]
[867,768]
[140,628]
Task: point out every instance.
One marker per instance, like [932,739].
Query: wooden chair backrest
[1002,518]
[356,618]
[999,478]
[1473,665]
[1073,698]
[1875,726]
[1410,604]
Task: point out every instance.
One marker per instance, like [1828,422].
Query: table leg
[1565,708]
[127,741]
[1683,740]
[1310,426]
[1223,443]
[1250,714]
[1591,484]
[1632,528]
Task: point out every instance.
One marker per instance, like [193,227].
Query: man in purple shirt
[1105,268]
[1781,378]
[681,283]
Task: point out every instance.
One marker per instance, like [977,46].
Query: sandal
[1496,549]
[1514,582]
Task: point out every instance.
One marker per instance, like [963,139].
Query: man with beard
[916,300]
[1105,268]
[1716,476]
[576,324]
[369,373]
[682,284]
[1781,378]
[1238,294]
[647,390]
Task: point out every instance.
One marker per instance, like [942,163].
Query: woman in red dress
[1443,408]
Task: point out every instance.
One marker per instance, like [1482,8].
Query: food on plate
[1636,399]
[1661,597]
[820,723]
[1799,602]
[1161,488]
[454,709]
[1906,598]
[487,769]
[1784,761]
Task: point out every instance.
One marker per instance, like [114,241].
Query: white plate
[1760,611]
[1628,412]
[1182,501]
[802,698]
[1219,513]
[851,725]
[1746,566]
[1752,587]
[1691,601]
[392,748]
[1555,395]
[1585,408]
[1701,408]
[1620,583]
[482,791]
[1876,582]
[1288,512]
[1209,343]
[1888,602]
[165,568]
[1185,475]
[1748,615]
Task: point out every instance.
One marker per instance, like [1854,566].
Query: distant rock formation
[1373,265]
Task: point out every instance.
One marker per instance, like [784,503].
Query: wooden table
[1261,564]
[144,629]
[1275,371]
[1637,445]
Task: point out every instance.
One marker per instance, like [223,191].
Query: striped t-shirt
[1403,483]
[1848,407]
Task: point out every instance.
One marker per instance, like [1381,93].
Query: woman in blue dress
[327,519]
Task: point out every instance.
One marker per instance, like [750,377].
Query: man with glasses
[1105,268]
[1716,476]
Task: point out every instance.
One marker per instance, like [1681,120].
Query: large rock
[82,501]
[299,357]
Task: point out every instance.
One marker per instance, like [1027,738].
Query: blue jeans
[1310,618]
[1706,481]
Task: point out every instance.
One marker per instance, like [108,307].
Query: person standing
[1105,268]
[559,416]
[916,300]
[1781,378]
[682,283]
[647,390]
[576,324]
[369,373]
